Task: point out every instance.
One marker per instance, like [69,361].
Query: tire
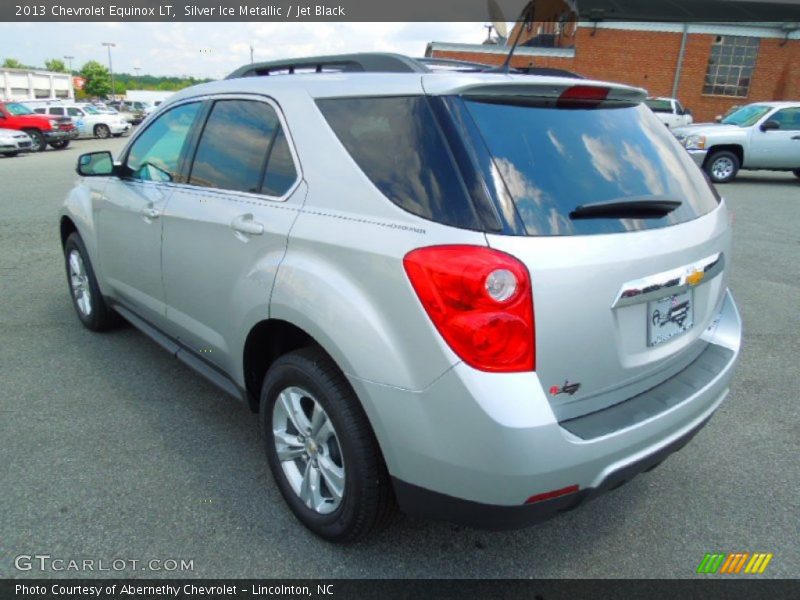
[102,131]
[307,381]
[91,308]
[39,143]
[722,166]
[10,154]
[61,144]
[796,172]
[117,135]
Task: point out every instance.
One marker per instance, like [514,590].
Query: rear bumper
[58,135]
[473,447]
[118,128]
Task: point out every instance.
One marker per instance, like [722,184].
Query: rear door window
[242,147]
[550,161]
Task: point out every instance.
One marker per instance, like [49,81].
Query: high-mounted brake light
[480,301]
[582,96]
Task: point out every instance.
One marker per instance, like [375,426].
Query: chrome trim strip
[673,281]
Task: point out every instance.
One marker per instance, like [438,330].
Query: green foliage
[98,80]
[12,63]
[55,65]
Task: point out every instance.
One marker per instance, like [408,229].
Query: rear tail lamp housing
[480,301]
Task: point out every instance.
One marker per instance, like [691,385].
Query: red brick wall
[648,59]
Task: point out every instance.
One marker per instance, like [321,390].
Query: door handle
[150,212]
[246,225]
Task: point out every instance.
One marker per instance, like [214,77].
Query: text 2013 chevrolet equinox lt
[480,297]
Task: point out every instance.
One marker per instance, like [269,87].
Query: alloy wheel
[79,282]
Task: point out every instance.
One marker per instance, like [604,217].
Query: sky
[215,49]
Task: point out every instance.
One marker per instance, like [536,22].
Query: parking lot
[113,450]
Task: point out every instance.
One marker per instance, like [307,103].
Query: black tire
[61,144]
[796,172]
[100,317]
[117,135]
[367,503]
[39,143]
[102,131]
[722,166]
[10,154]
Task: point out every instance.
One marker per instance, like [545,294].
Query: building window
[730,66]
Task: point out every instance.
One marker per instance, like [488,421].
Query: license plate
[669,317]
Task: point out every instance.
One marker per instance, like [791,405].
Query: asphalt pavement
[113,450]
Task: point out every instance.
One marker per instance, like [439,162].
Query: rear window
[549,161]
[659,106]
[397,143]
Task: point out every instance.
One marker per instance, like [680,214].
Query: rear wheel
[60,145]
[39,143]
[102,131]
[321,449]
[796,172]
[89,303]
[722,166]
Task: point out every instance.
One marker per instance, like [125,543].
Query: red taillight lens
[553,494]
[481,303]
[582,96]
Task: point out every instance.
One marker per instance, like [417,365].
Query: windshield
[90,110]
[747,116]
[15,108]
[659,106]
[543,163]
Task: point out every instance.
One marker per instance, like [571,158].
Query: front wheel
[89,303]
[722,166]
[60,145]
[321,449]
[102,131]
[39,143]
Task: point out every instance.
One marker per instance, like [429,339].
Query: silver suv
[482,297]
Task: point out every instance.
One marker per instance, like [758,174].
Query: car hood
[706,129]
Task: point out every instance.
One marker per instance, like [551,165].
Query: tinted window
[281,173]
[788,119]
[660,106]
[397,143]
[74,112]
[57,111]
[233,149]
[550,161]
[155,155]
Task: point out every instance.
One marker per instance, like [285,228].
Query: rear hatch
[624,238]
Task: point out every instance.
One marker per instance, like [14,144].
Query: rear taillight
[481,303]
[582,96]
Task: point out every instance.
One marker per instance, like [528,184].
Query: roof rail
[367,62]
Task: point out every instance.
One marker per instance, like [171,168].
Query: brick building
[708,67]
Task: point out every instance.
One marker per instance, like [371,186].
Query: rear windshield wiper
[650,207]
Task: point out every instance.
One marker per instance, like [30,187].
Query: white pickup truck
[670,111]
[764,135]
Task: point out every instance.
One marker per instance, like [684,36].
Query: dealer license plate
[669,317]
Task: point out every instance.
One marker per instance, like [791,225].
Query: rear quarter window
[397,143]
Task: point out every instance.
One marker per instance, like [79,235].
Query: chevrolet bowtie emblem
[695,277]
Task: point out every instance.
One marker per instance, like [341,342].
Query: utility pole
[251,54]
[110,45]
[69,58]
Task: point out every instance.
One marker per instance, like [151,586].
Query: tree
[55,65]
[98,81]
[12,63]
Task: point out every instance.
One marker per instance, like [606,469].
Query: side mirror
[95,164]
[770,126]
[718,119]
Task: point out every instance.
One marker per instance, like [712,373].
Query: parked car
[90,122]
[670,112]
[764,135]
[127,112]
[12,142]
[43,130]
[482,297]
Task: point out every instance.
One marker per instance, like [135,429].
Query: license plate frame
[669,317]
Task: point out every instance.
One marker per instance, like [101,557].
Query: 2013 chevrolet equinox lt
[482,297]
